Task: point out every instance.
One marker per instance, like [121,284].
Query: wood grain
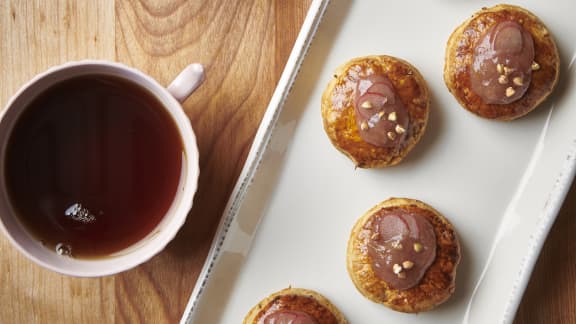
[244,45]
[36,35]
[551,293]
[161,40]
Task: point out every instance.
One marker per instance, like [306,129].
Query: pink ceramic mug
[169,98]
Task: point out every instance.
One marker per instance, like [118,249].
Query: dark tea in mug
[92,165]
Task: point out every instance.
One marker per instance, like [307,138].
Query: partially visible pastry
[375,110]
[404,254]
[501,63]
[295,305]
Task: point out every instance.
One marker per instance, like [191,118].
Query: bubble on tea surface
[64,249]
[80,213]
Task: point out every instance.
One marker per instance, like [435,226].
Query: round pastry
[295,305]
[375,110]
[501,63]
[403,254]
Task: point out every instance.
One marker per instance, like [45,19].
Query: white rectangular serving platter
[500,183]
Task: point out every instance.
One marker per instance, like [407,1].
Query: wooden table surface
[244,45]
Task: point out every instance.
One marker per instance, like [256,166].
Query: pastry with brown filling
[375,110]
[403,254]
[295,305]
[501,63]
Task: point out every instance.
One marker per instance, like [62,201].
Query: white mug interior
[158,238]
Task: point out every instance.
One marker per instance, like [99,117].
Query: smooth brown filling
[402,246]
[501,69]
[296,309]
[287,317]
[381,117]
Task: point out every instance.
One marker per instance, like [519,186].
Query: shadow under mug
[155,241]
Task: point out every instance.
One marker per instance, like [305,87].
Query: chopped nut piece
[392,116]
[364,125]
[391,135]
[535,66]
[508,70]
[366,105]
[518,81]
[500,68]
[503,79]
[399,129]
[381,114]
[417,247]
[397,245]
[510,92]
[396,268]
[401,275]
[407,264]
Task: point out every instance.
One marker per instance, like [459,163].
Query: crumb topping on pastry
[381,117]
[501,69]
[402,245]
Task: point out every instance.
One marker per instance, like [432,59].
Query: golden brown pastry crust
[460,51]
[340,124]
[438,283]
[298,299]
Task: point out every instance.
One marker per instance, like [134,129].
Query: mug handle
[186,82]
